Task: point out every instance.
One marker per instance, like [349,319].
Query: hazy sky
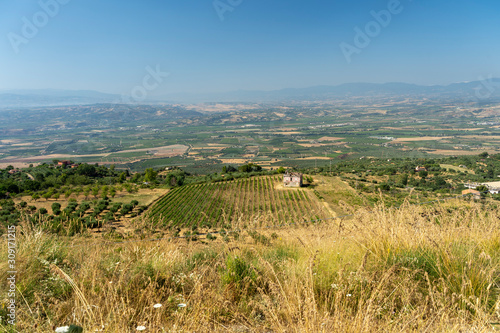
[250,44]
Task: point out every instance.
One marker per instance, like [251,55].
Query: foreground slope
[412,269]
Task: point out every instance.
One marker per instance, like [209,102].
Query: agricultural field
[300,135]
[246,202]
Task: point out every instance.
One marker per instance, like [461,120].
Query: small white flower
[63,329]
[182,305]
[156,306]
[141,328]
[349,295]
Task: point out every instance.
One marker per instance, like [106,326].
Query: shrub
[239,276]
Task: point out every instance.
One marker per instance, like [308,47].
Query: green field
[292,138]
[243,202]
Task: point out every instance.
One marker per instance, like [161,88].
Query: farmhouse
[64,163]
[493,187]
[472,185]
[494,190]
[474,193]
[293,179]
[419,168]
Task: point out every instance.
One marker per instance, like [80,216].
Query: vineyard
[243,202]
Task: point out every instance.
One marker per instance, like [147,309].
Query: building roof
[292,174]
[492,184]
[471,191]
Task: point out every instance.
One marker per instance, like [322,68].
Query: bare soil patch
[423,138]
[461,152]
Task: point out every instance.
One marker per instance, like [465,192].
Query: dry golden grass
[414,269]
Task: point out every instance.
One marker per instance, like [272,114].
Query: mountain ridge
[485,89]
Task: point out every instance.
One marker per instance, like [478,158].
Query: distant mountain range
[52,97]
[486,90]
[479,90]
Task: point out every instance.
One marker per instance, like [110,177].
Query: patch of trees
[250,167]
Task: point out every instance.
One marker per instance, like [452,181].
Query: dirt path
[329,209]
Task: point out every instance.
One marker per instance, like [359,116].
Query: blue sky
[260,44]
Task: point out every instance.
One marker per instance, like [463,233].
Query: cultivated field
[248,201]
[202,142]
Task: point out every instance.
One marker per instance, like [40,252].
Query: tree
[122,177]
[150,175]
[404,179]
[135,177]
[423,174]
[105,191]
[484,154]
[175,178]
[172,181]
[35,196]
[47,195]
[245,168]
[86,192]
[86,170]
[228,169]
[95,191]
[439,181]
[490,173]
[126,209]
[385,187]
[31,185]
[482,188]
[56,208]
[250,167]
